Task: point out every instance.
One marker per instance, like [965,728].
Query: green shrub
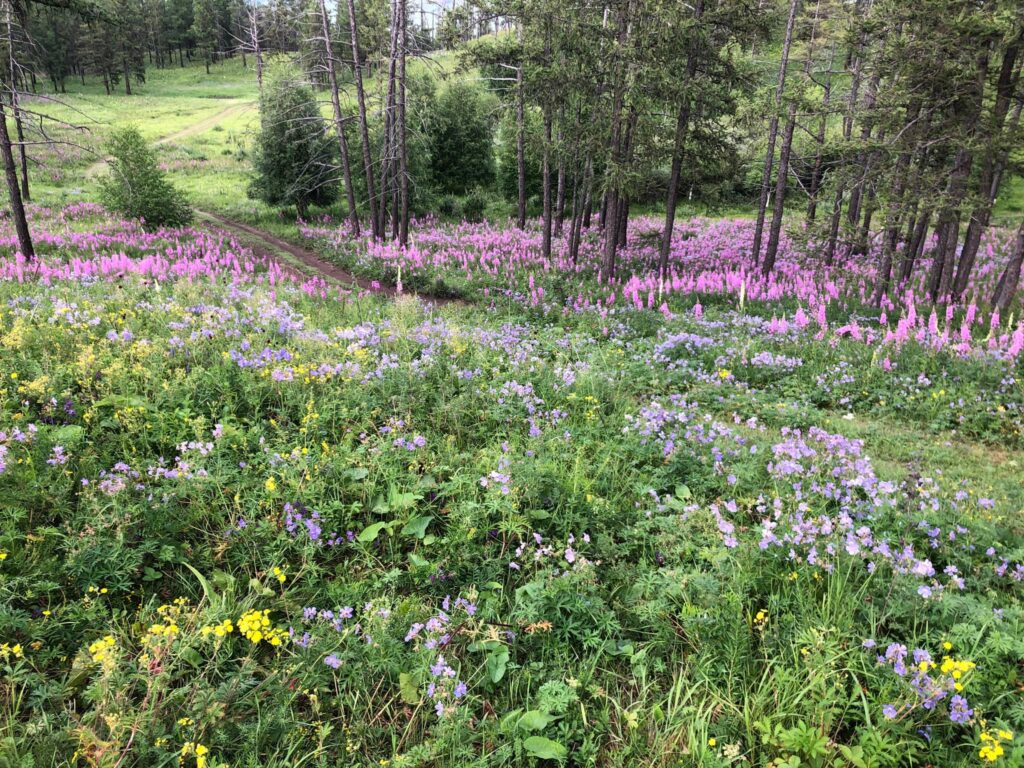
[295,157]
[449,206]
[474,205]
[136,188]
[461,140]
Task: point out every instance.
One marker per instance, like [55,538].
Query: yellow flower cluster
[7,651]
[279,574]
[223,629]
[992,744]
[194,748]
[102,650]
[156,631]
[761,619]
[955,668]
[255,627]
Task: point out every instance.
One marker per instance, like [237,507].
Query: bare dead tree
[339,120]
[364,131]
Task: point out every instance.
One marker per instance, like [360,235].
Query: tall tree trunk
[940,277]
[520,145]
[864,157]
[546,224]
[257,46]
[22,154]
[1007,288]
[127,76]
[560,194]
[773,132]
[982,212]
[672,195]
[339,121]
[775,232]
[819,155]
[403,155]
[14,190]
[915,248]
[588,192]
[781,180]
[387,145]
[855,62]
[364,130]
[548,210]
[891,234]
[678,147]
[15,105]
[610,214]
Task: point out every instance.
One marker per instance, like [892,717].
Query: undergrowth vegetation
[250,519]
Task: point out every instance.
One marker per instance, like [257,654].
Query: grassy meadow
[253,517]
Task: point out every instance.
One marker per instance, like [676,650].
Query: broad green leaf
[545,749]
[534,720]
[417,526]
[407,687]
[371,532]
[497,663]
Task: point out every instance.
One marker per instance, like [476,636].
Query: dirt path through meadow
[267,244]
[201,126]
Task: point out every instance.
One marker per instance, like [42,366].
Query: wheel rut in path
[270,245]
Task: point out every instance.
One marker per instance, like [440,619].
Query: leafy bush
[461,139]
[295,158]
[508,168]
[136,188]
[474,205]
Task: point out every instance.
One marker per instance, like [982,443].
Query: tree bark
[940,277]
[916,246]
[520,145]
[773,131]
[1007,288]
[678,147]
[339,121]
[14,190]
[982,213]
[387,145]
[403,155]
[364,130]
[560,196]
[819,158]
[775,232]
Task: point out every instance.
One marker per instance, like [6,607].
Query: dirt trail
[266,244]
[203,125]
[207,123]
[270,245]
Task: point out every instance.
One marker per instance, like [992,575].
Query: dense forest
[873,116]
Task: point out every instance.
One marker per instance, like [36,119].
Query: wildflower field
[250,518]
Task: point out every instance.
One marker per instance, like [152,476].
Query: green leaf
[68,434]
[615,648]
[399,501]
[371,532]
[418,561]
[408,689]
[357,473]
[417,526]
[545,749]
[534,720]
[497,663]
